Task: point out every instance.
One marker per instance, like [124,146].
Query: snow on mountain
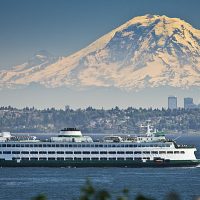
[146,51]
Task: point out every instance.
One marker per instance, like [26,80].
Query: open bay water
[65,183]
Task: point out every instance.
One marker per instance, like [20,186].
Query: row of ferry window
[61,158]
[92,152]
[84,145]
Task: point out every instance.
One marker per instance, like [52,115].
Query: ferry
[71,149]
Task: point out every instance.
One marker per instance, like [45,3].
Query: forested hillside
[97,120]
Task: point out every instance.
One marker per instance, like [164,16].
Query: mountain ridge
[147,51]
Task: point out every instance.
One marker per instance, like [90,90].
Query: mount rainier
[147,51]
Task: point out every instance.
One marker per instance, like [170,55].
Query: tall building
[172,102]
[188,103]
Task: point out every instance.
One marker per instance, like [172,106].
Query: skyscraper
[188,103]
[172,102]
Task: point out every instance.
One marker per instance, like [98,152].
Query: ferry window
[26,145]
[120,158]
[53,145]
[70,145]
[16,152]
[35,145]
[79,145]
[162,152]
[25,158]
[31,145]
[105,145]
[60,152]
[94,158]
[77,158]
[112,152]
[103,152]
[14,158]
[0,145]
[83,145]
[151,145]
[103,158]
[42,152]
[139,145]
[120,152]
[96,145]
[34,152]
[182,152]
[101,145]
[51,158]
[126,145]
[167,145]
[135,145]
[0,152]
[87,145]
[42,158]
[122,145]
[129,152]
[66,145]
[6,152]
[155,145]
[154,152]
[44,145]
[129,158]
[51,152]
[130,145]
[22,145]
[8,145]
[33,158]
[68,152]
[77,152]
[143,145]
[74,145]
[59,158]
[137,158]
[113,145]
[86,152]
[48,145]
[146,152]
[112,158]
[137,152]
[86,158]
[57,145]
[68,158]
[109,145]
[94,152]
[3,145]
[170,152]
[92,145]
[24,152]
[176,152]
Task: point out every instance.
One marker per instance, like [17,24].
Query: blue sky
[65,26]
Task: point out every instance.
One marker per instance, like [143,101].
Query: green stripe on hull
[108,163]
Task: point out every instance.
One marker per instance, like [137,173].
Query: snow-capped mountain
[147,51]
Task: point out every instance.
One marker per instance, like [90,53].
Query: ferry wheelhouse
[71,149]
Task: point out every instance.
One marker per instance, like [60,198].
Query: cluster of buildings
[188,103]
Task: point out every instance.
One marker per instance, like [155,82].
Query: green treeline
[92,120]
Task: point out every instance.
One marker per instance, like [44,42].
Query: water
[65,183]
